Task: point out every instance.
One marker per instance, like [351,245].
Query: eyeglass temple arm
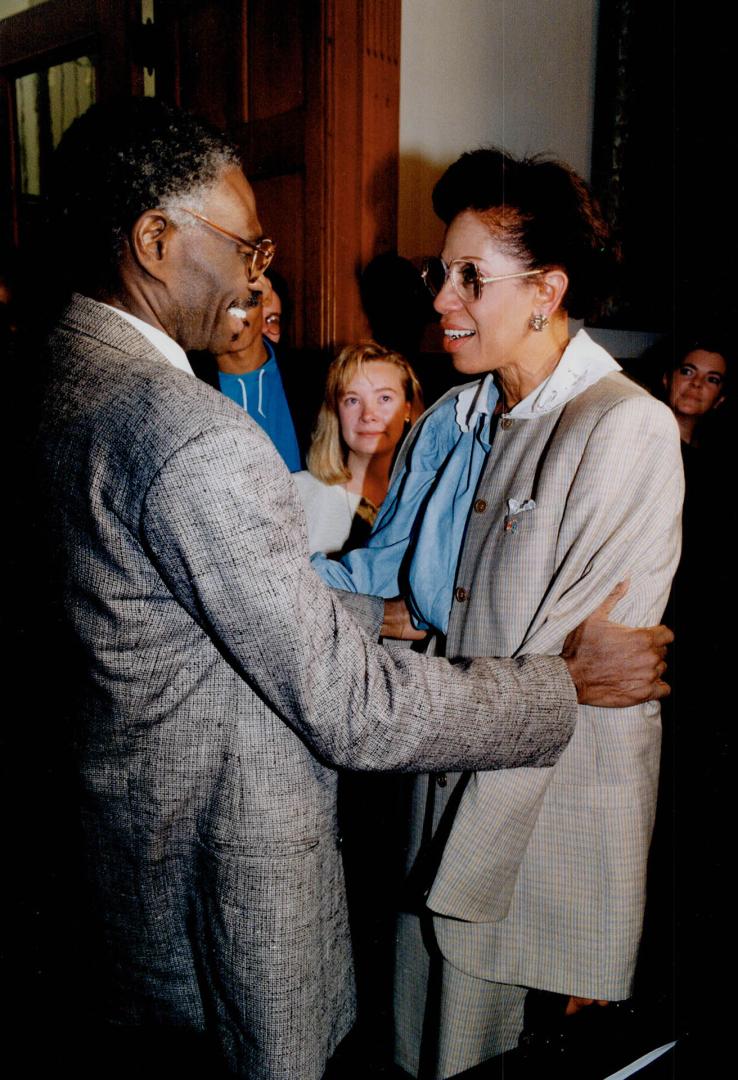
[507,277]
[254,245]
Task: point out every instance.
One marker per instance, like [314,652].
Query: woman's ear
[550,291]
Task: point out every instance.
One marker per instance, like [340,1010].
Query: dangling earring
[538,321]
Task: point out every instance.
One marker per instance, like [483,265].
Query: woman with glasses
[518,504]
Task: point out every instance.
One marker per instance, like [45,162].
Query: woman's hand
[615,666]
[397,624]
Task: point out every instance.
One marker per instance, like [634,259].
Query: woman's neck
[369,475]
[542,353]
[687,426]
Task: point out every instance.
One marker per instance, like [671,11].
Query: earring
[538,321]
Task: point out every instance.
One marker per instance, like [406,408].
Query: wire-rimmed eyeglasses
[258,255]
[464,276]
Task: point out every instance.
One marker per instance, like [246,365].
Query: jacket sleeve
[223,525]
[622,520]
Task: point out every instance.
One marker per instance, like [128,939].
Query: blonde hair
[328,453]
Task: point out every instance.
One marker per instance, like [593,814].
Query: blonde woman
[372,397]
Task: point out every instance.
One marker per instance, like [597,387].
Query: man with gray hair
[223,684]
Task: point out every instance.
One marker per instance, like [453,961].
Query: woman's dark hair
[712,341]
[542,212]
[655,368]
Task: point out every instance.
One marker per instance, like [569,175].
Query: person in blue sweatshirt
[248,373]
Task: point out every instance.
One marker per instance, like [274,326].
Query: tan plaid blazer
[542,879]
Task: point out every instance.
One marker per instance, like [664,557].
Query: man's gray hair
[119,160]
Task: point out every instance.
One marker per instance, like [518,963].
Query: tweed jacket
[222,685]
[541,881]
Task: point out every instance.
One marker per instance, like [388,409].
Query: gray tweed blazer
[223,683]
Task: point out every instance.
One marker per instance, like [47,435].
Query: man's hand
[397,622]
[615,666]
[576,1004]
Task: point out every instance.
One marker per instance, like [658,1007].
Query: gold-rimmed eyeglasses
[464,276]
[258,254]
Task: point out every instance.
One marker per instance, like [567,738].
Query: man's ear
[550,290]
[150,240]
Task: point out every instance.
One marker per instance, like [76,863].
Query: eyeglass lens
[261,258]
[464,277]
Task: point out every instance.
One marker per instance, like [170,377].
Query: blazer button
[506,423]
[441,779]
[480,505]
[461,594]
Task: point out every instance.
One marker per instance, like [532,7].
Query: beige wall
[518,73]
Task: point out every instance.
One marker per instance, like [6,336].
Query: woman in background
[688,913]
[371,399]
[695,386]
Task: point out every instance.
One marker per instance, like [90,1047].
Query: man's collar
[167,346]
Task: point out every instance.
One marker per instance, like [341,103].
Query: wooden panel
[200,63]
[315,286]
[344,138]
[380,127]
[117,73]
[277,55]
[8,210]
[281,204]
[309,90]
[64,29]
[273,145]
[41,35]
[353,115]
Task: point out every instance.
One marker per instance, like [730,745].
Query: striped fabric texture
[541,878]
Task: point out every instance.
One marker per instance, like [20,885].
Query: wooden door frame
[353,129]
[344,139]
[50,34]
[349,131]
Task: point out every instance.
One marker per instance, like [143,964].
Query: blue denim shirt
[414,547]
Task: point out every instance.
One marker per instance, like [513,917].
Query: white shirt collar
[472,402]
[167,346]
[583,363]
